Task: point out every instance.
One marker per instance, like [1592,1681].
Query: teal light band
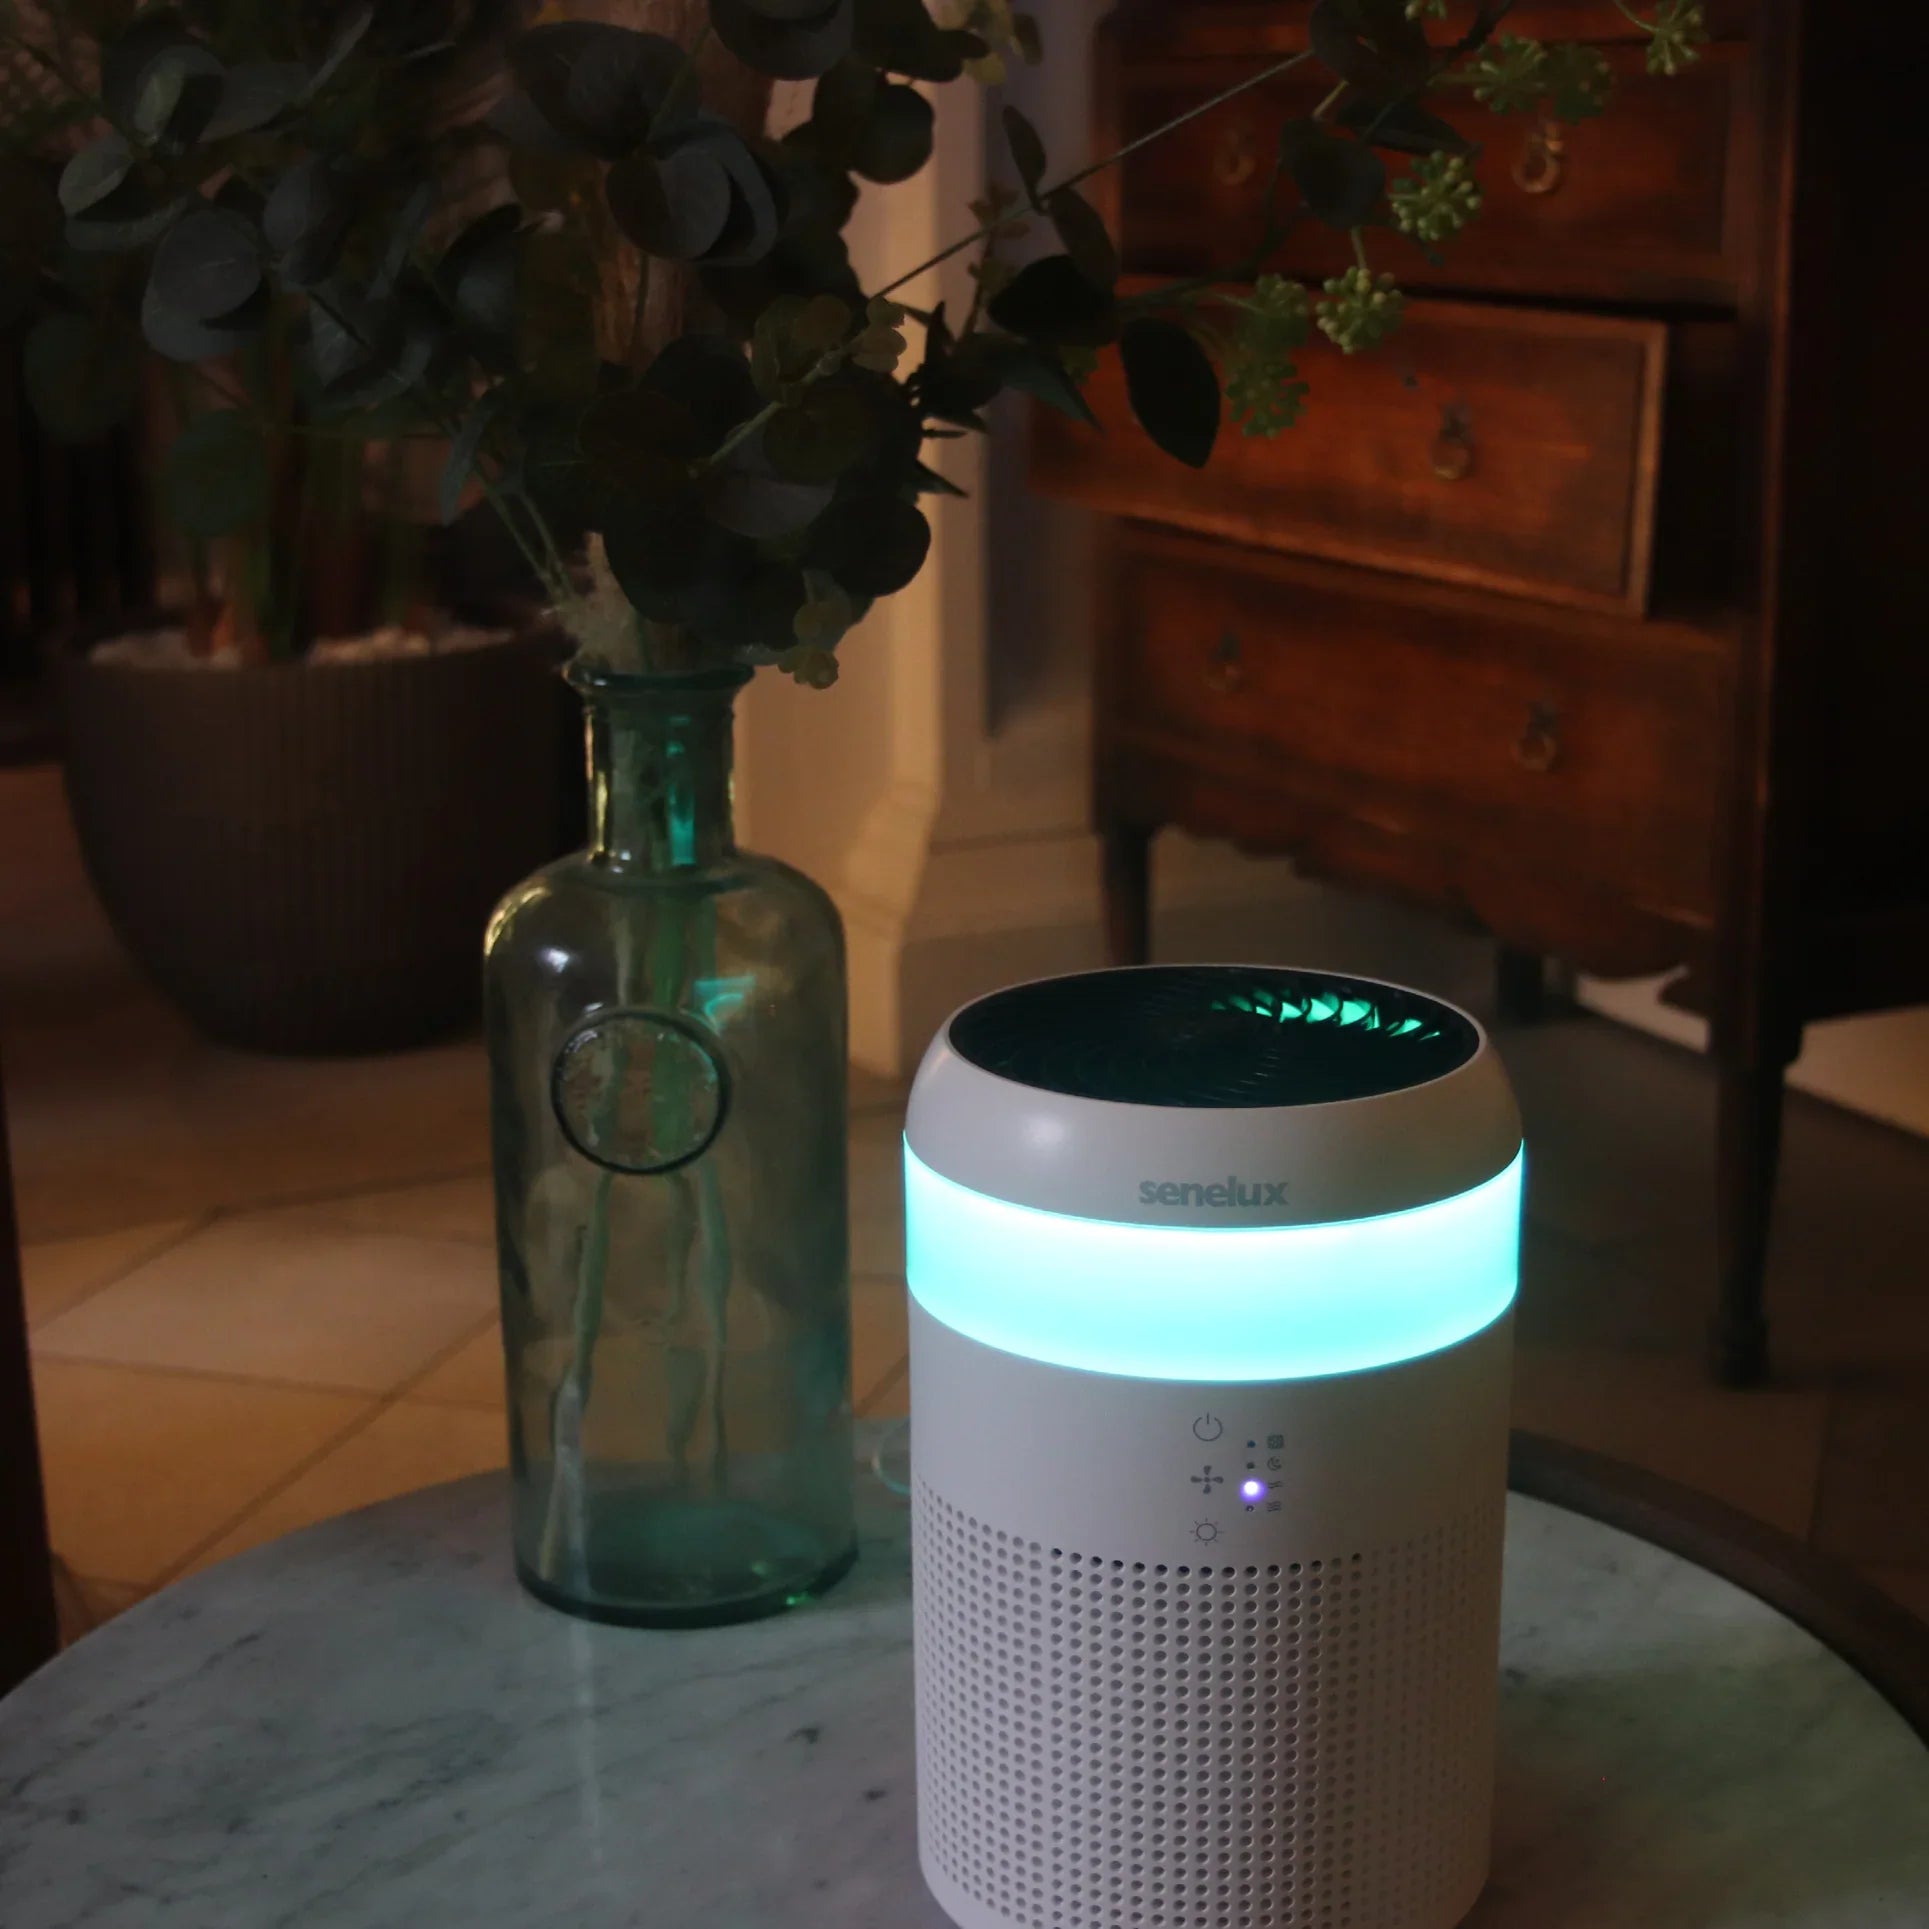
[1207,1302]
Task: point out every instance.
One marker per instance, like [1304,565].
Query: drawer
[1648,204]
[1513,449]
[1570,746]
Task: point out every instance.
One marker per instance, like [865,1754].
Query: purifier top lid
[1213,1095]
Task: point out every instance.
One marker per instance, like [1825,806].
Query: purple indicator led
[1252,1489]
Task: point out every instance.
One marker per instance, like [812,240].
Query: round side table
[369,1725]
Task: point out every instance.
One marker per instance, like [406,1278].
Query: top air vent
[1214,1037]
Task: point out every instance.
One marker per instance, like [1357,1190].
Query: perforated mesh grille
[1213,1036]
[1103,1741]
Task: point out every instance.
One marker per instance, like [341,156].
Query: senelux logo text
[1223,1192]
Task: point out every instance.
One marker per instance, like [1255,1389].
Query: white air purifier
[1211,1278]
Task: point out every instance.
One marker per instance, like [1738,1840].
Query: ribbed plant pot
[305,857]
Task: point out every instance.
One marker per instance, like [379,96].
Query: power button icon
[1208,1426]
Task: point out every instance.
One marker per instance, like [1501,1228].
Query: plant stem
[635,345]
[554,579]
[1110,160]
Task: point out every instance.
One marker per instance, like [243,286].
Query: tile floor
[261,1293]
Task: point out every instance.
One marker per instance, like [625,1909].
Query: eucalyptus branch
[828,363]
[1110,160]
[549,572]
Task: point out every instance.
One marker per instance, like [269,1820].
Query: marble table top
[368,1725]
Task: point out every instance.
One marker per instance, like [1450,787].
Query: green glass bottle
[667,1027]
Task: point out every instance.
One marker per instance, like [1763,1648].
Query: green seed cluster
[1436,200]
[1676,39]
[1511,75]
[1359,309]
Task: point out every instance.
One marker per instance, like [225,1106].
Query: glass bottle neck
[659,767]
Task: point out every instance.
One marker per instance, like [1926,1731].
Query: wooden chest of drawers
[1587,608]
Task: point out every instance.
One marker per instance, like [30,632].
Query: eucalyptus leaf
[931,483]
[596,84]
[1051,301]
[746,602]
[483,279]
[345,333]
[785,47]
[516,119]
[1173,388]
[898,138]
[215,477]
[842,105]
[707,376]
[1081,228]
[94,173]
[400,360]
[177,95]
[465,446]
[1340,180]
[190,338]
[81,374]
[660,553]
[901,37]
[125,62]
[674,206]
[640,442]
[306,218]
[253,94]
[872,545]
[1371,44]
[1027,152]
[207,264]
[749,501]
[409,223]
[349,33]
[958,378]
[830,428]
[1040,374]
[756,215]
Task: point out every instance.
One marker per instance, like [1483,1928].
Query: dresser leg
[1125,883]
[1520,985]
[1748,1154]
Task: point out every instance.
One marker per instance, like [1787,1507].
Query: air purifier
[1211,1277]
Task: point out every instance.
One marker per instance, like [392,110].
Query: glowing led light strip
[1212,1303]
[1323,1007]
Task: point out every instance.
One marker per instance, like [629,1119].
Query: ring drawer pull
[1226,673]
[1541,165]
[1539,746]
[1235,160]
[1452,455]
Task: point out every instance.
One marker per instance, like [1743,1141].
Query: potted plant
[301,789]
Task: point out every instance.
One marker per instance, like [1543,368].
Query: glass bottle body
[667,1038]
